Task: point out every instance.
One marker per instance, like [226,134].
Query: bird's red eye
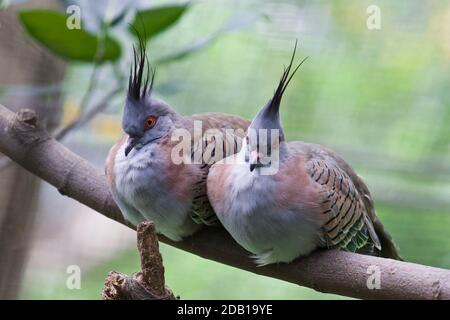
[150,122]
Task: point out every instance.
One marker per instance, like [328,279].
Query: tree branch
[149,284]
[81,120]
[326,271]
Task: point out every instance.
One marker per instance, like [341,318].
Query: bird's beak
[131,143]
[255,160]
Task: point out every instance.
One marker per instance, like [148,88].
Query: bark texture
[326,271]
[148,284]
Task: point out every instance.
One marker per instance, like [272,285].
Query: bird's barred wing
[224,138]
[201,211]
[388,247]
[219,120]
[347,224]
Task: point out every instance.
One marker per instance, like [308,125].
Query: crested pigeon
[306,197]
[144,180]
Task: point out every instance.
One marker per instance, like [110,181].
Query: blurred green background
[380,98]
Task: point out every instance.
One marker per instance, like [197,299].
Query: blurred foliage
[196,279]
[148,23]
[49,28]
[380,98]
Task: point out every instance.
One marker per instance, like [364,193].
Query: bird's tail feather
[388,247]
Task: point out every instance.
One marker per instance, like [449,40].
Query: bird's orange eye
[150,122]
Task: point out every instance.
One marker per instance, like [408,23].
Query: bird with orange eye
[150,122]
[145,181]
[144,127]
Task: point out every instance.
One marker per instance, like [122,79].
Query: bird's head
[145,118]
[265,133]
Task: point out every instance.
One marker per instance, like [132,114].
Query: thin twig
[80,121]
[149,284]
[92,84]
[151,260]
[84,118]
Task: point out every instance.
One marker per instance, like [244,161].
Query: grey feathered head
[136,91]
[260,134]
[145,118]
[269,116]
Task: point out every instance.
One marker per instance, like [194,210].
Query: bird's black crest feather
[284,81]
[140,82]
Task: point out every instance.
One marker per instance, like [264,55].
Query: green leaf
[148,23]
[49,28]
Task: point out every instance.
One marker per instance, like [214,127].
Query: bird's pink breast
[110,163]
[295,189]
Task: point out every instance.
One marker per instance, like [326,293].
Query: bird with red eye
[150,122]
[146,179]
